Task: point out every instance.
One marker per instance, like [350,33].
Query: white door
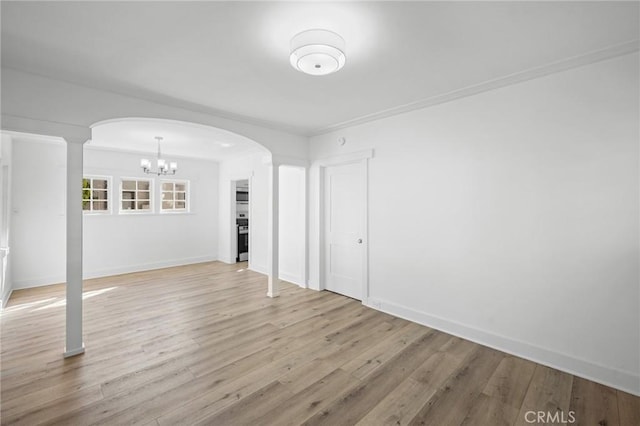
[344,208]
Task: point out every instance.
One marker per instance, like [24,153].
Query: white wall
[511,218]
[292,225]
[113,243]
[6,284]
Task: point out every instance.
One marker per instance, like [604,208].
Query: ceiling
[179,139]
[231,58]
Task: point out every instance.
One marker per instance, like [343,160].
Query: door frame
[233,248]
[361,157]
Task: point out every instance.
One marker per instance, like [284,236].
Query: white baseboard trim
[291,278]
[87,274]
[39,282]
[259,269]
[623,380]
[148,266]
[6,296]
[74,352]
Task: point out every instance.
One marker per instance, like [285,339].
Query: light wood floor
[203,345]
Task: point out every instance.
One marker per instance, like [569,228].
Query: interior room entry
[344,228]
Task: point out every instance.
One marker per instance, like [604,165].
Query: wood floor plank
[457,396]
[490,410]
[251,408]
[203,343]
[593,403]
[510,381]
[402,404]
[549,391]
[354,404]
[628,408]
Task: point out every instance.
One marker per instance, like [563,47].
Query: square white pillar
[74,343]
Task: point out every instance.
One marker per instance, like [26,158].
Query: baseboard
[88,274]
[291,278]
[148,266]
[259,269]
[623,380]
[39,282]
[6,296]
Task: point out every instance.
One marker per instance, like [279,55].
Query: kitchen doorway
[241,232]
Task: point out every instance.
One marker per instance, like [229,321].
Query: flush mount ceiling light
[317,52]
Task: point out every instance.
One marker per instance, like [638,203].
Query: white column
[272,235]
[74,343]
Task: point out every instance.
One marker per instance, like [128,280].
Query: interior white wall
[511,218]
[292,225]
[6,285]
[113,243]
[255,168]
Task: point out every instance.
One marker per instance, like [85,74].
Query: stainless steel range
[242,226]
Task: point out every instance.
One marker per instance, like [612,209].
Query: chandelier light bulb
[317,52]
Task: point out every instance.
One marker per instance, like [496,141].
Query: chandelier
[164,167]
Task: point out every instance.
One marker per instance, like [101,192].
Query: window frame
[187,195]
[121,189]
[109,199]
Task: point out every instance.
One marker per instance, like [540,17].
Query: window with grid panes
[95,194]
[175,196]
[135,195]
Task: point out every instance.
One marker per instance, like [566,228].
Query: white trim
[259,269]
[283,160]
[141,267]
[187,195]
[623,380]
[6,296]
[507,80]
[69,132]
[350,157]
[292,278]
[109,199]
[152,201]
[361,158]
[74,352]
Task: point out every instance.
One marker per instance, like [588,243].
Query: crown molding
[554,67]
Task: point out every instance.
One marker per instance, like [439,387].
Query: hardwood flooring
[203,345]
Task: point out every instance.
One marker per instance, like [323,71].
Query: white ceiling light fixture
[164,167]
[317,52]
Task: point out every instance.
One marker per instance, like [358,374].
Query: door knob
[359,240]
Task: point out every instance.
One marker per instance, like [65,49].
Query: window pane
[99,184]
[167,195]
[86,194]
[100,205]
[143,195]
[99,195]
[167,186]
[86,205]
[128,195]
[180,205]
[127,205]
[181,187]
[167,205]
[86,183]
[143,184]
[143,205]
[180,196]
[128,184]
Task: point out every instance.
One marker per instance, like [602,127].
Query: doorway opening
[241,199]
